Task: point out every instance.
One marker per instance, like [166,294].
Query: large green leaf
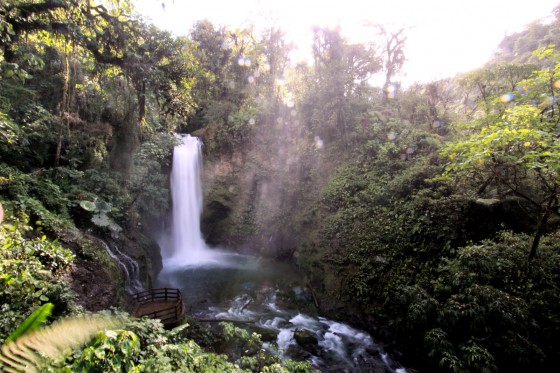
[88,205]
[32,322]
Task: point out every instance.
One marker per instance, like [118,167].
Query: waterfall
[186,245]
[131,271]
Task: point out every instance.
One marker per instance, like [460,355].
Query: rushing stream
[267,296]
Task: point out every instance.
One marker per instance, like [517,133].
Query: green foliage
[513,143]
[384,234]
[390,233]
[34,196]
[145,346]
[381,209]
[518,131]
[9,131]
[32,322]
[31,274]
[481,300]
[149,182]
[33,350]
[109,351]
[100,217]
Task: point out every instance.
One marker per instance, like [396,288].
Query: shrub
[31,273]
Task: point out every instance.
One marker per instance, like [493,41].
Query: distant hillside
[518,47]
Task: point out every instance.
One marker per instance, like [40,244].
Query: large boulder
[305,338]
[486,216]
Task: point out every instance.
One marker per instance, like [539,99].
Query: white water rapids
[219,284]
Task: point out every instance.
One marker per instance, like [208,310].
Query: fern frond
[26,353]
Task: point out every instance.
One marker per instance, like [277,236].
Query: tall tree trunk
[541,229]
[142,102]
[61,112]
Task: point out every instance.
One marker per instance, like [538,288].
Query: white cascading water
[187,245]
[130,269]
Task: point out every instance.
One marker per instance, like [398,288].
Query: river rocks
[305,338]
[267,335]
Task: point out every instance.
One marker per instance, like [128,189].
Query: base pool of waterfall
[266,295]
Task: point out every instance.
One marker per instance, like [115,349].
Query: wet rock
[305,338]
[144,251]
[297,353]
[267,335]
[96,287]
[215,216]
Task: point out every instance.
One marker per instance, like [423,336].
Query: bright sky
[445,37]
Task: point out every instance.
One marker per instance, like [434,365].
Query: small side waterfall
[186,245]
[131,271]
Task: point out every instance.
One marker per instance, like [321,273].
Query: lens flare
[244,61]
[391,91]
[507,97]
[548,101]
[391,135]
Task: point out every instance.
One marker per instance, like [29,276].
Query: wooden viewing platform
[165,304]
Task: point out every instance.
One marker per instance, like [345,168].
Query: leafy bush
[34,196]
[31,273]
[149,183]
[486,307]
[109,351]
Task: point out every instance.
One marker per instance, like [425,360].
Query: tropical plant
[32,350]
[513,144]
[32,322]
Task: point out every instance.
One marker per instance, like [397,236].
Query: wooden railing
[165,304]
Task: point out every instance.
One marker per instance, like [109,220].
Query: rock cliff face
[145,252]
[97,279]
[262,192]
[250,208]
